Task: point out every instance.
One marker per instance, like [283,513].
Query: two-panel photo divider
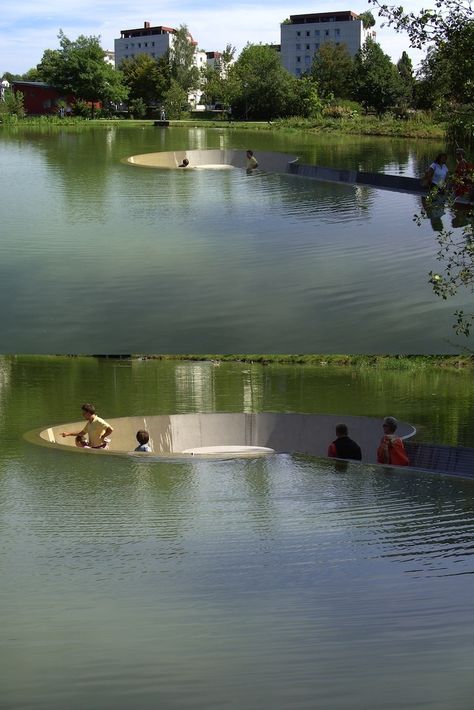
[236,378]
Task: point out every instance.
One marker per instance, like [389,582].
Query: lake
[101,256]
[266,583]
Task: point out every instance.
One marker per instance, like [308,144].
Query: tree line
[255,86]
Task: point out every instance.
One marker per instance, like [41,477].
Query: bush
[338,111]
[12,105]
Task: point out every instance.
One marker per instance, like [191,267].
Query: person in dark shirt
[343,447]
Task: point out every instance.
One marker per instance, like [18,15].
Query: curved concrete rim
[176,436]
[213,159]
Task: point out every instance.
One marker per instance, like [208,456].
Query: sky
[28,27]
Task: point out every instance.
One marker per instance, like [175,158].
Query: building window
[152,44]
[139,44]
[298,59]
[306,47]
[326,33]
[298,71]
[307,59]
[307,34]
[126,46]
[316,33]
[298,34]
[298,46]
[316,46]
[337,31]
[146,44]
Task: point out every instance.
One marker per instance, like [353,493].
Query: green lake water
[101,256]
[270,583]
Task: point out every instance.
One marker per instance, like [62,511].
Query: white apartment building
[303,35]
[154,41]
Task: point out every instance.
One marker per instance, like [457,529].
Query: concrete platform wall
[276,163]
[304,433]
[268,162]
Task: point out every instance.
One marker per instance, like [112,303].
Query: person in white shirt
[143,438]
[437,173]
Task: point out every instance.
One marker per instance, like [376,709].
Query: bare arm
[73,433]
[107,432]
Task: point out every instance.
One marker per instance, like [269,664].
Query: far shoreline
[369,126]
[459,363]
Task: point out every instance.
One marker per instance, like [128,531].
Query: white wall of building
[153,45]
[300,42]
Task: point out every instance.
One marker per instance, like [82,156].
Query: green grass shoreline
[360,125]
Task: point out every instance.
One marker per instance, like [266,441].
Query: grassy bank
[359,125]
[355,125]
[383,362]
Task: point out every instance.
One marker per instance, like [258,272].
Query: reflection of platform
[161,124]
[229,451]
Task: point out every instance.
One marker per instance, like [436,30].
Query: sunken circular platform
[227,435]
[213,159]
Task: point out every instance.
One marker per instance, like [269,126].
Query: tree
[428,26]
[265,84]
[141,74]
[220,83]
[31,75]
[368,20]
[332,66]
[137,108]
[162,75]
[183,69]
[449,27]
[458,55]
[12,104]
[405,72]
[305,100]
[175,101]
[376,83]
[79,68]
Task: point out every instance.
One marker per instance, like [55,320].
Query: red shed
[40,98]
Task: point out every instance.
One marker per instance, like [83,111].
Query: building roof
[147,30]
[335,16]
[37,84]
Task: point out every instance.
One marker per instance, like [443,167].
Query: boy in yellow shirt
[97,430]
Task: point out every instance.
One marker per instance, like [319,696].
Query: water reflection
[157,580]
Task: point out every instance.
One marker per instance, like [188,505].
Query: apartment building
[303,35]
[154,41]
